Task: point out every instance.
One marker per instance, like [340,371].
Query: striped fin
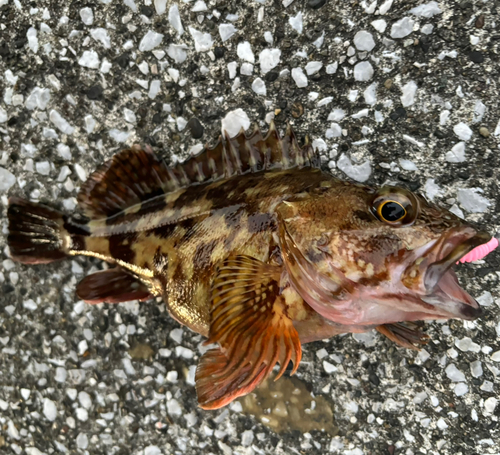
[250,323]
[127,179]
[249,153]
[134,176]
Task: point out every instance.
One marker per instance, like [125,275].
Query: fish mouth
[441,283]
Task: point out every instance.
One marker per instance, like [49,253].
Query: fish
[252,245]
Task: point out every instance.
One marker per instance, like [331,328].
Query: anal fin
[406,335]
[111,286]
[249,321]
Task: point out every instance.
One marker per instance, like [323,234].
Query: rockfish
[256,248]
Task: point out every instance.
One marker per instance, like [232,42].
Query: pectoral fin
[111,286]
[405,335]
[249,321]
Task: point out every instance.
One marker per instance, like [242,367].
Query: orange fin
[410,337]
[111,286]
[250,322]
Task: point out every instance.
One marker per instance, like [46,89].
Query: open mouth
[441,281]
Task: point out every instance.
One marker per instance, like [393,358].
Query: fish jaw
[432,293]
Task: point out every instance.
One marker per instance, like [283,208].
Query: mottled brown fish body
[177,260]
[251,245]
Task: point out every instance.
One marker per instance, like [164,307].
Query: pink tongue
[480,251]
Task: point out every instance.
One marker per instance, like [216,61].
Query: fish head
[365,256]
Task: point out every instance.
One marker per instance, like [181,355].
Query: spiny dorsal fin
[133,176]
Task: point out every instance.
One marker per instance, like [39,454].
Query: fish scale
[252,245]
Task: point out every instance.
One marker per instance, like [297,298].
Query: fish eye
[391,211]
[395,206]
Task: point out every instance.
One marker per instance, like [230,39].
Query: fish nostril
[469,312]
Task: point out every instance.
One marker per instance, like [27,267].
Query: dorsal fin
[128,178]
[249,153]
[133,176]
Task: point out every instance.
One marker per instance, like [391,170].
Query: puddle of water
[287,405]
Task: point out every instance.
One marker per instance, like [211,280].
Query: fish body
[251,245]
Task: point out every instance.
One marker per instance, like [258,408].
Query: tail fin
[36,232]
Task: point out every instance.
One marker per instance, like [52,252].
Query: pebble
[150,40]
[441,424]
[174,18]
[226,31]
[380,25]
[476,56]
[336,115]
[60,122]
[359,172]
[196,128]
[329,367]
[38,99]
[177,52]
[32,39]
[454,374]
[490,405]
[3,115]
[101,35]
[476,369]
[427,29]
[296,22]
[25,393]
[316,4]
[364,41]
[456,154]
[244,51]
[87,16]
[160,6]
[269,59]
[426,10]
[199,7]
[463,131]
[432,189]
[85,400]
[234,121]
[402,28]
[472,201]
[152,450]
[82,441]
[82,414]
[7,180]
[370,94]
[89,59]
[259,86]
[363,71]
[173,408]
[299,77]
[61,375]
[483,131]
[49,409]
[313,67]
[495,356]
[409,91]
[461,389]
[247,438]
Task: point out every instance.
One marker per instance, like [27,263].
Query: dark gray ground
[69,381]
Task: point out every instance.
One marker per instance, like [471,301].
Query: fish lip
[438,269]
[440,281]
